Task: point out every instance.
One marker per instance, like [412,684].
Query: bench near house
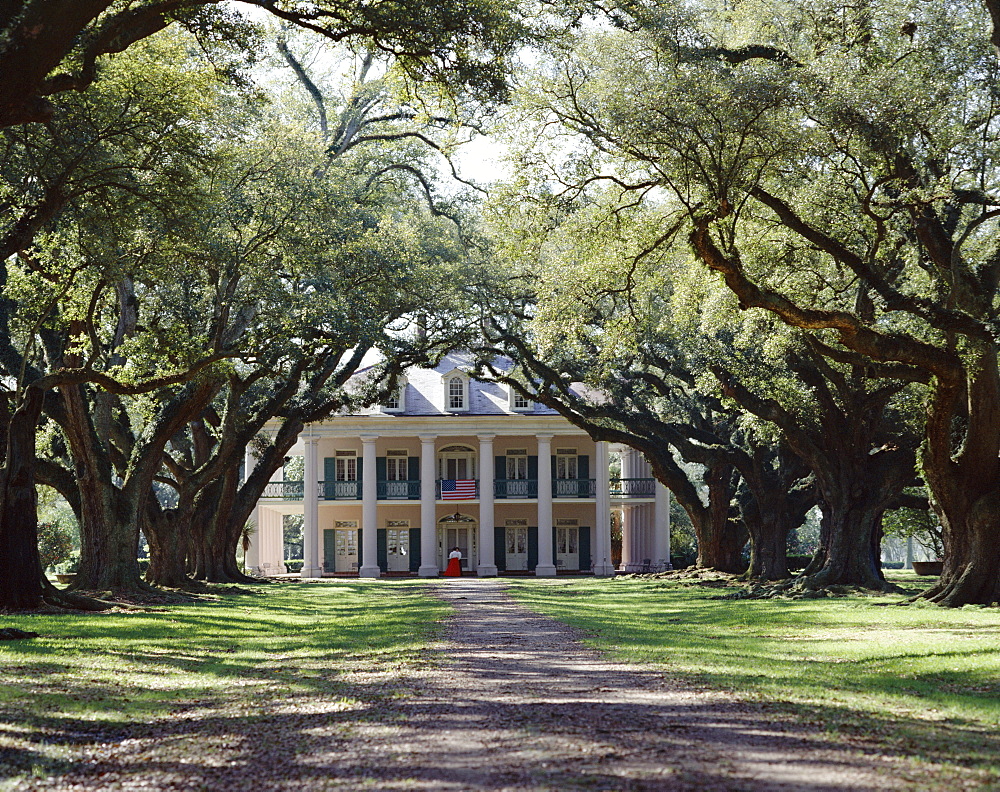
[452,461]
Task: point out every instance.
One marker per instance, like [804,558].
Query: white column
[487,563]
[253,552]
[661,526]
[626,539]
[369,510]
[428,509]
[545,567]
[602,528]
[310,514]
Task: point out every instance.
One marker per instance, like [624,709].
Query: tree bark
[20,567]
[965,486]
[720,538]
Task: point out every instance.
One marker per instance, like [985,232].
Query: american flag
[458,489]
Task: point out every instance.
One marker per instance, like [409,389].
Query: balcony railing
[633,488]
[339,490]
[515,488]
[285,490]
[574,488]
[398,490]
[461,490]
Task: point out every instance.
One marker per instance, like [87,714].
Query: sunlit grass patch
[293,654]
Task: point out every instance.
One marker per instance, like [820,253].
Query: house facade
[456,462]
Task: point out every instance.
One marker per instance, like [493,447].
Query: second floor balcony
[459,489]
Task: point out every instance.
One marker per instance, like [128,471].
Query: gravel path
[521,704]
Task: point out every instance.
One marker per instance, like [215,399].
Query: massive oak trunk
[720,538]
[965,486]
[856,491]
[774,500]
[20,567]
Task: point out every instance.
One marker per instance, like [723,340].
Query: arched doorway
[457,530]
[457,462]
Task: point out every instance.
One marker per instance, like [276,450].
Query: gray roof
[425,391]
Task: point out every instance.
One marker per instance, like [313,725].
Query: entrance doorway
[458,530]
[568,547]
[517,548]
[397,545]
[340,547]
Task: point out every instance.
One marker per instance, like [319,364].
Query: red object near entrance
[454,568]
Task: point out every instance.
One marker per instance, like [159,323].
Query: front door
[346,549]
[517,549]
[568,548]
[461,536]
[397,542]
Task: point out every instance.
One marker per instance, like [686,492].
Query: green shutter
[413,475]
[583,474]
[359,478]
[414,549]
[380,469]
[329,550]
[585,561]
[361,550]
[532,548]
[500,473]
[382,549]
[554,547]
[329,476]
[500,548]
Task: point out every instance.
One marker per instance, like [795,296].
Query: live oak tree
[114,149]
[48,49]
[815,148]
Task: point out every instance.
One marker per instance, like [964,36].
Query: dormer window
[456,394]
[396,402]
[456,391]
[519,402]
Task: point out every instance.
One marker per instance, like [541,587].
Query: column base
[545,570]
[604,570]
[370,572]
[487,570]
[430,570]
[311,572]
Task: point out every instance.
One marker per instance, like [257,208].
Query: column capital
[427,438]
[368,438]
[310,440]
[544,436]
[485,438]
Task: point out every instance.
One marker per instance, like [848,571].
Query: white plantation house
[452,461]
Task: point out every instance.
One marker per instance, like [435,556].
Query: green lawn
[921,679]
[289,658]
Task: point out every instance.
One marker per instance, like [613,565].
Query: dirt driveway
[520,704]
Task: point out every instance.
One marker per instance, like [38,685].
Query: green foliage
[55,544]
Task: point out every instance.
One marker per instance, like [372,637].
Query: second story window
[566,463]
[347,466]
[396,465]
